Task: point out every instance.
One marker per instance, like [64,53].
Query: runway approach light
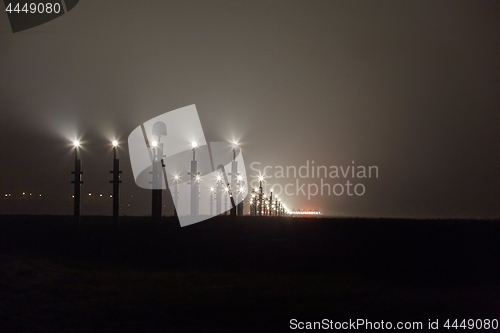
[76,143]
[114,143]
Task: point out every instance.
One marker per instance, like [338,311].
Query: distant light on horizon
[305,213]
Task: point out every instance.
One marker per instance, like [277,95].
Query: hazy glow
[76,143]
[194,144]
[261,178]
[114,143]
[154,143]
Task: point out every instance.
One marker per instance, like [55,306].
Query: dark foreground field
[244,275]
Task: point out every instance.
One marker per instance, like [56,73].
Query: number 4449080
[32,8]
[470,324]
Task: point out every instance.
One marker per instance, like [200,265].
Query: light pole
[270,204]
[211,200]
[218,195]
[261,179]
[228,189]
[253,204]
[241,190]
[159,129]
[236,179]
[77,181]
[194,182]
[116,182]
[176,193]
[277,213]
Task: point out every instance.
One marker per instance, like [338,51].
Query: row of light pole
[77,181]
[260,203]
[263,205]
[158,177]
[222,188]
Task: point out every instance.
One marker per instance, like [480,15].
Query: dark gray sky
[412,87]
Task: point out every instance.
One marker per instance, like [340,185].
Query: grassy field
[242,275]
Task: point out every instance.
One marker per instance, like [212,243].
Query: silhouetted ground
[241,275]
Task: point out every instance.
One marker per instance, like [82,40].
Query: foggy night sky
[412,87]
